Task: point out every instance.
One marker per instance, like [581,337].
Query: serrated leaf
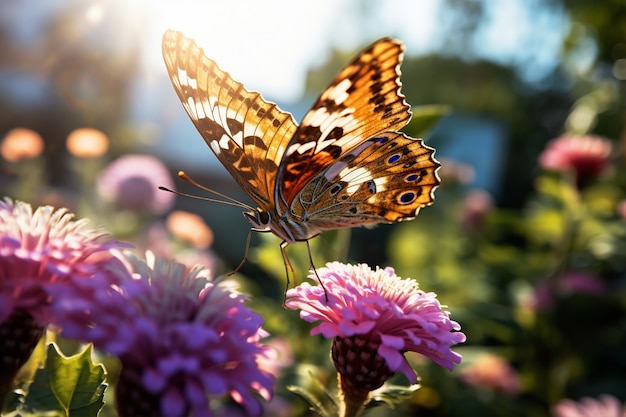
[390,395]
[72,386]
[425,118]
[317,396]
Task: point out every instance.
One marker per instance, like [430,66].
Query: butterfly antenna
[229,200]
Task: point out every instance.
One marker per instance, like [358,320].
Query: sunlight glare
[266,45]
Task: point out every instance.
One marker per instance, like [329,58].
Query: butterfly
[345,165]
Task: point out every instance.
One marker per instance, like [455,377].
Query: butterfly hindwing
[247,134]
[386,179]
[363,101]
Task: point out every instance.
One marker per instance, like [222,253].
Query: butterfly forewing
[247,134]
[363,101]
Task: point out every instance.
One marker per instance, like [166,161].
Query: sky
[269,45]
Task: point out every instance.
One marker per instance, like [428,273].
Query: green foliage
[424,119]
[390,395]
[317,396]
[67,386]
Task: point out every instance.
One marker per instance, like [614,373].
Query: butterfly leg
[308,248]
[287,263]
[245,254]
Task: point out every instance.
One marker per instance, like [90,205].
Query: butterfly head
[260,219]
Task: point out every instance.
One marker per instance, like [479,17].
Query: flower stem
[353,399]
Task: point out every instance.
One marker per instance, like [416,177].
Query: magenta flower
[605,406]
[40,250]
[585,156]
[131,182]
[374,317]
[180,337]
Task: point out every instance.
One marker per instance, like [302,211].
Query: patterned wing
[385,179]
[363,101]
[247,134]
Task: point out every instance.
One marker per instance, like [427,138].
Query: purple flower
[374,317]
[605,406]
[131,182]
[39,251]
[180,337]
[585,156]
[45,248]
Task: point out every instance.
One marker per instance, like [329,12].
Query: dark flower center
[357,360]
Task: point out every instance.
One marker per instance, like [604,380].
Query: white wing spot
[223,142]
[338,166]
[339,93]
[199,109]
[300,148]
[215,147]
[354,178]
[187,80]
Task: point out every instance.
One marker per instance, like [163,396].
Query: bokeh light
[190,228]
[87,143]
[21,143]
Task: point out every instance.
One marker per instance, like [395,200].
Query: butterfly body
[345,165]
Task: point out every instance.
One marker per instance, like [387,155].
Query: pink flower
[42,249]
[478,203]
[585,156]
[38,251]
[374,317]
[605,406]
[180,337]
[131,182]
[492,372]
[570,283]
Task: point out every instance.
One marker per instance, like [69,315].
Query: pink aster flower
[492,372]
[39,250]
[181,338]
[605,406]
[585,156]
[374,317]
[131,182]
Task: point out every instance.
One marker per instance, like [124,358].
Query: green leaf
[390,395]
[317,396]
[425,118]
[68,386]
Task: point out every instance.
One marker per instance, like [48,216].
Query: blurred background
[531,258]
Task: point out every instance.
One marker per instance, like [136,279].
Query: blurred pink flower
[605,406]
[492,372]
[567,284]
[131,182]
[374,317]
[478,203]
[585,156]
[180,337]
